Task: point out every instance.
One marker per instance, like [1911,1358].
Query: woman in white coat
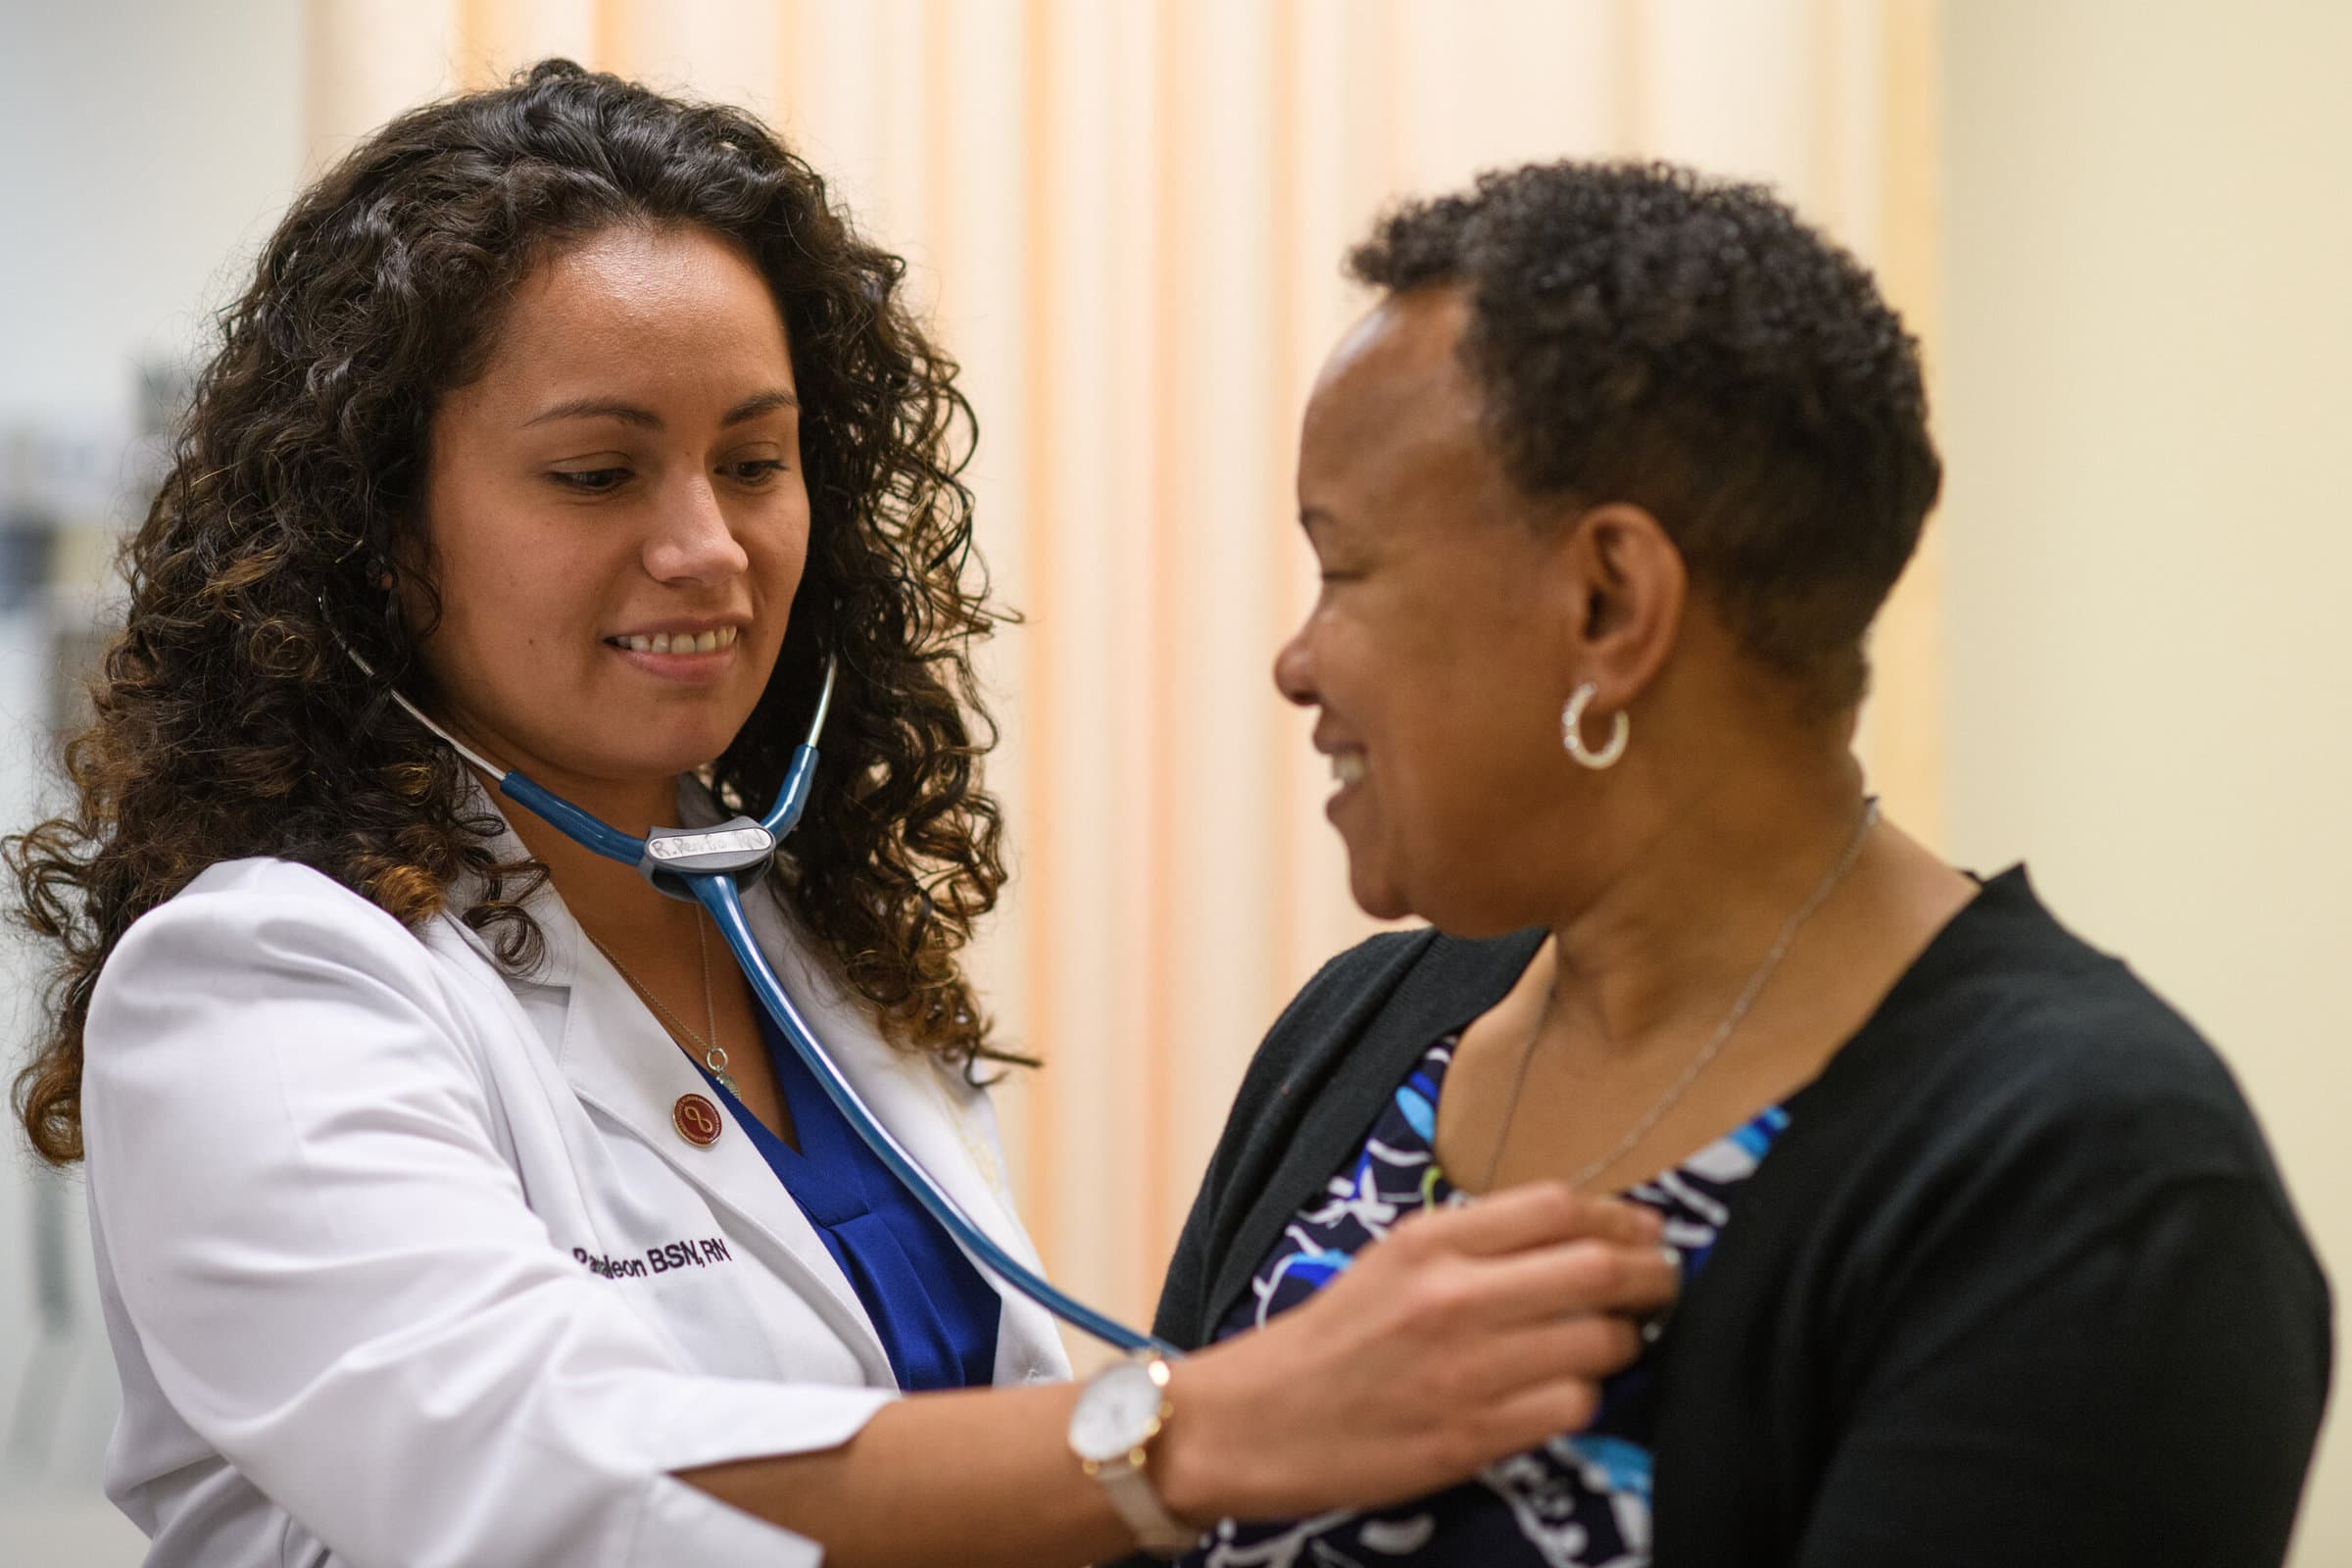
[451,1204]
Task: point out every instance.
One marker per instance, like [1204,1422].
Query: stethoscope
[712,866]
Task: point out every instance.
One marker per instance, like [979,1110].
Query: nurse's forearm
[977,1477]
[1464,1336]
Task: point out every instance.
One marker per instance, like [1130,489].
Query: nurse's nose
[691,541]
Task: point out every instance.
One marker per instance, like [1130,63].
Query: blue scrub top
[936,1315]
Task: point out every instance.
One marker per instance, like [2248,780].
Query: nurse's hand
[1468,1335]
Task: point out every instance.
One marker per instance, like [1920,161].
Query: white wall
[145,149]
[2148,263]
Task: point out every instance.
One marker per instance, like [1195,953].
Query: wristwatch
[1119,1412]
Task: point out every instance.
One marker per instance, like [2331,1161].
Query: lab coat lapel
[618,1059]
[621,1063]
[908,1094]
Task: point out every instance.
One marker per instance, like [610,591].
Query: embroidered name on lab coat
[708,1252]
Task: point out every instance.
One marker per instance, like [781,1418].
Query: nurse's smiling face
[615,516]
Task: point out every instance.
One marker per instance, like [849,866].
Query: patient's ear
[1623,588]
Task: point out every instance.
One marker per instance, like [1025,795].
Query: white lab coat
[378,1231]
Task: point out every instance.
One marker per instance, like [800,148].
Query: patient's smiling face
[615,516]
[1434,654]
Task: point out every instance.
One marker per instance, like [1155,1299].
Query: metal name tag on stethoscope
[712,866]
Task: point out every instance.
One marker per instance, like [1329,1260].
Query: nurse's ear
[403,571]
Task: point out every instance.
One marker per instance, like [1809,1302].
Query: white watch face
[1115,1413]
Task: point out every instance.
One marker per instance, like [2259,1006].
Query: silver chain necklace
[714,1054]
[1707,1054]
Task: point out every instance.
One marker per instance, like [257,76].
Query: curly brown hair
[228,722]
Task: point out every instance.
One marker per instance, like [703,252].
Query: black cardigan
[2019,1284]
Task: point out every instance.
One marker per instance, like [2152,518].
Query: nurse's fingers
[1536,1215]
[1586,1276]
[1556,1387]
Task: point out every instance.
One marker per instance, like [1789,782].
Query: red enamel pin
[697,1120]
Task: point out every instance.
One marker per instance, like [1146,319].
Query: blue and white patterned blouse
[1580,1500]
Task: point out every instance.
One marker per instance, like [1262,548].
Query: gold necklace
[1715,1042]
[714,1054]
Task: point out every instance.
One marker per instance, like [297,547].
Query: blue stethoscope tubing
[718,890]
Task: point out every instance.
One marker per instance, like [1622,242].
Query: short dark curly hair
[1641,333]
[228,721]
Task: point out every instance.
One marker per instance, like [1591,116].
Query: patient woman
[1985,1261]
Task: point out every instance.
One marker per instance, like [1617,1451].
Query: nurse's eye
[756,471]
[590,481]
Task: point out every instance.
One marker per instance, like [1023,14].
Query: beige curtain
[1129,217]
